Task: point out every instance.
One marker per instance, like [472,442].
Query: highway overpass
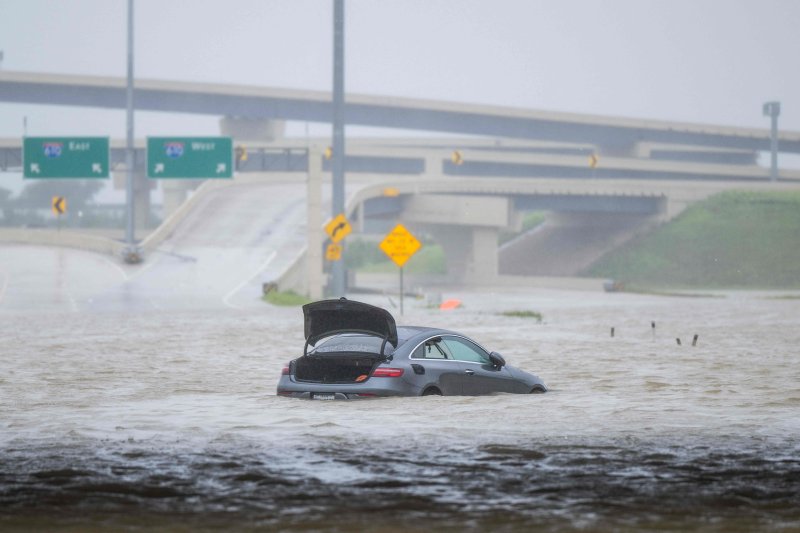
[517,159]
[612,135]
[503,142]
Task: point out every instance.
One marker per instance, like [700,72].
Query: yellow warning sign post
[400,245]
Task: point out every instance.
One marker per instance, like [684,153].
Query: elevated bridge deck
[614,133]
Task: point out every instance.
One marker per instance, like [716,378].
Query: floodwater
[133,420]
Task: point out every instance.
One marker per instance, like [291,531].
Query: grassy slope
[734,239]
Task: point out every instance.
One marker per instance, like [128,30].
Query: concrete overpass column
[454,240]
[483,263]
[175,193]
[252,129]
[314,267]
[433,165]
[471,253]
[141,195]
[141,199]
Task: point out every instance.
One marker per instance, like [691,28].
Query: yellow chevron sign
[59,205]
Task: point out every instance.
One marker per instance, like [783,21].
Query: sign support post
[400,245]
[401,291]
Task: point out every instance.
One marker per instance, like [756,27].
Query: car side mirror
[497,360]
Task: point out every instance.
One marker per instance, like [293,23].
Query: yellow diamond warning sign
[400,245]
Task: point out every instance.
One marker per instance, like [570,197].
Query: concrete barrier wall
[71,239]
[162,232]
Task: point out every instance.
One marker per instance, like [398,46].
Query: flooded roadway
[126,417]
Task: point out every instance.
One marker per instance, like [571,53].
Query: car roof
[404,333]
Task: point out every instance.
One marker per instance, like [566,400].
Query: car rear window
[352,343]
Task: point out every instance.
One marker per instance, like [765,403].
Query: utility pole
[772,110]
[131,254]
[337,160]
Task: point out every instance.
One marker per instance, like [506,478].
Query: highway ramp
[235,238]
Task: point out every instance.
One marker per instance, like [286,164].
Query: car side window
[431,349]
[463,350]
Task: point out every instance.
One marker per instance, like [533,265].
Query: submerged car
[355,350]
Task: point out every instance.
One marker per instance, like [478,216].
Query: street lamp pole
[337,159]
[130,254]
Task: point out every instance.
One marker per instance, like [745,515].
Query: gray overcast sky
[708,61]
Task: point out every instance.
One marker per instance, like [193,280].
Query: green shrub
[285,298]
[524,314]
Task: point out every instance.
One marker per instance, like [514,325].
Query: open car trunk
[339,368]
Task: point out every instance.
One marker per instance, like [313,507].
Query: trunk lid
[330,317]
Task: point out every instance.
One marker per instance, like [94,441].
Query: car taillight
[286,370]
[387,372]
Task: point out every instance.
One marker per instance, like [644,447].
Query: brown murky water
[169,419]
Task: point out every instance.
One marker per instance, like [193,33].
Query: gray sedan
[355,350]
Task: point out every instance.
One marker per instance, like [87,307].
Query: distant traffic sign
[59,205]
[593,160]
[400,245]
[189,157]
[65,157]
[338,228]
[333,252]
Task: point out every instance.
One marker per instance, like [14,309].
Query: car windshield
[352,343]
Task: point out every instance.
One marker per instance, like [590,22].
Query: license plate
[324,396]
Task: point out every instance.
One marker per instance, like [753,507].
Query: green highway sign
[189,157]
[65,157]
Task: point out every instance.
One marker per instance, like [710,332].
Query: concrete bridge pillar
[470,253]
[141,194]
[467,227]
[252,129]
[175,193]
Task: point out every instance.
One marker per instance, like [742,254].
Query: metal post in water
[337,160]
[772,110]
[694,340]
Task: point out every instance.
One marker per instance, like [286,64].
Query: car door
[439,366]
[479,375]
